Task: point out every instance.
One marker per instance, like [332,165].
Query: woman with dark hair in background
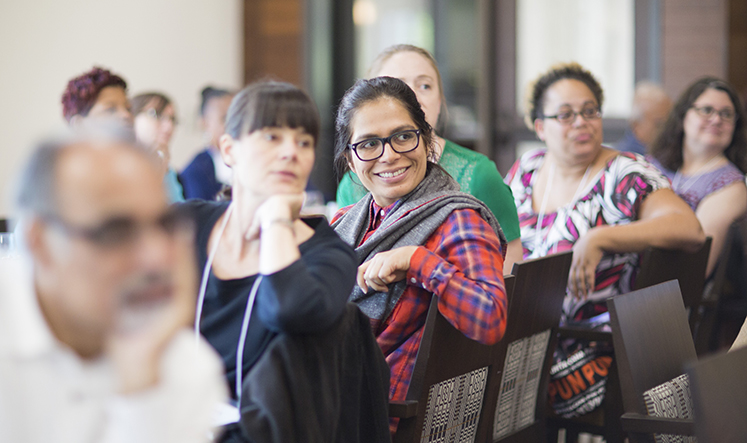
[416,236]
[256,253]
[476,174]
[94,97]
[155,120]
[207,173]
[703,151]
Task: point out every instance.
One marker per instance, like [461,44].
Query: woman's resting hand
[385,268]
[587,254]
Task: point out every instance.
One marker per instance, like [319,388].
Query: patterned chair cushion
[671,399]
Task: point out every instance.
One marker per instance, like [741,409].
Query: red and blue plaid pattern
[461,263]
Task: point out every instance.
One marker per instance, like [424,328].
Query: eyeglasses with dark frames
[373,148]
[566,117]
[726,114]
[122,231]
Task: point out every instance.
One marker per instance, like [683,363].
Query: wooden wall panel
[738,45]
[694,41]
[273,40]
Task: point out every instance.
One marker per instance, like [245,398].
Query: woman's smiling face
[393,175]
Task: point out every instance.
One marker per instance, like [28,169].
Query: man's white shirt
[49,394]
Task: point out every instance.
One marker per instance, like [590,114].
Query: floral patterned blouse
[612,197]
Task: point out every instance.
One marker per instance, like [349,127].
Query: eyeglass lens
[373,148]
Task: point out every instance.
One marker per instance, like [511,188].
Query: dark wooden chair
[703,332]
[456,381]
[518,391]
[657,265]
[660,265]
[4,225]
[653,344]
[448,385]
[719,389]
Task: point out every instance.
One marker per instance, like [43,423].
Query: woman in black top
[299,270]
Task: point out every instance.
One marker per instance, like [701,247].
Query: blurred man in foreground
[93,339]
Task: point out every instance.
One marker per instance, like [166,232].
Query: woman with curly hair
[703,150]
[604,205]
[95,96]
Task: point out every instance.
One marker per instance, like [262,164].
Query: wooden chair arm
[646,424]
[584,334]
[403,409]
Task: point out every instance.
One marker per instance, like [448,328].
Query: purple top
[693,189]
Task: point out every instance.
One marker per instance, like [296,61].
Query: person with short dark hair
[476,174]
[94,345]
[154,122]
[604,205]
[417,238]
[578,194]
[702,149]
[207,174]
[94,96]
[266,270]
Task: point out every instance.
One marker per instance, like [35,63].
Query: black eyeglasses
[726,114]
[372,148]
[122,231]
[565,117]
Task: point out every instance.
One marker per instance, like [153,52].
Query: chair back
[719,389]
[660,265]
[521,365]
[652,340]
[448,384]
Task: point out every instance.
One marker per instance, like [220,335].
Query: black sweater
[308,296]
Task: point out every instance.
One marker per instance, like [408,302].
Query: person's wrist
[278,221]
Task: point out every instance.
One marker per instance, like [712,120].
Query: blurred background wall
[487,50]
[172,46]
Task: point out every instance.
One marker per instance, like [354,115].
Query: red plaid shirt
[462,264]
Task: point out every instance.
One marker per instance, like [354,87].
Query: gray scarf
[409,223]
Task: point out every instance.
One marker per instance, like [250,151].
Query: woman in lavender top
[703,150]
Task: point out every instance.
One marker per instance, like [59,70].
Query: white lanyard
[551,175]
[247,311]
[693,178]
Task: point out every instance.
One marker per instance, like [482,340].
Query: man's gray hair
[36,187]
[645,93]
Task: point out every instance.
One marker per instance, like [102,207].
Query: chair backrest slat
[651,338]
[533,315]
[660,265]
[719,389]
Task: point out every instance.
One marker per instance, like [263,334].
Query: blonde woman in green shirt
[475,173]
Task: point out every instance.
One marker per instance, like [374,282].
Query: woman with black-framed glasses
[416,236]
[703,150]
[606,206]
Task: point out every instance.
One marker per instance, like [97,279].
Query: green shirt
[476,175]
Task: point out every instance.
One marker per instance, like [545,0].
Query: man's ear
[37,241]
[539,128]
[226,145]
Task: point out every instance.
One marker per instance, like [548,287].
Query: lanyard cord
[206,273]
[693,178]
[539,238]
[242,337]
[247,310]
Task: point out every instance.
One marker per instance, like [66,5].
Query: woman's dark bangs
[288,108]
